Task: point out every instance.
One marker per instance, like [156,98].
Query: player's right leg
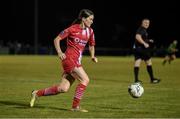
[138,56]
[33,98]
[136,70]
[62,87]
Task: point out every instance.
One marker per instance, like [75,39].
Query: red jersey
[77,38]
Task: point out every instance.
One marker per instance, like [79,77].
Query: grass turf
[105,97]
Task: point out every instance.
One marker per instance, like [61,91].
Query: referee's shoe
[155,80]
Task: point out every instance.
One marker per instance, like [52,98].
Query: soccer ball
[135,90]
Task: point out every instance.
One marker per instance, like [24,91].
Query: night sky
[114,25]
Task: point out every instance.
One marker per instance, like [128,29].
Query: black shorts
[141,53]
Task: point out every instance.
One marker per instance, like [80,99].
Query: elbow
[137,37]
[57,39]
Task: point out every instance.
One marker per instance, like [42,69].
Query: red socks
[54,90]
[48,91]
[78,95]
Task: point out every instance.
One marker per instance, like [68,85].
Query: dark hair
[145,19]
[83,13]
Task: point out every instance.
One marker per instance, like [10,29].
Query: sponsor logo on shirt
[80,42]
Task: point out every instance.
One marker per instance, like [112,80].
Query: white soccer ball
[135,90]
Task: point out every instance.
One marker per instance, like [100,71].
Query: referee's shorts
[142,53]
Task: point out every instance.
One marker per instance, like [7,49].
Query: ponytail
[83,13]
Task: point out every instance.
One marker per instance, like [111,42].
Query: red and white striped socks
[48,91]
[78,95]
[54,90]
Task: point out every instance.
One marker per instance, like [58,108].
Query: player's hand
[62,56]
[95,59]
[146,45]
[151,40]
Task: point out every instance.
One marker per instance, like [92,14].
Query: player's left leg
[173,57]
[81,75]
[150,71]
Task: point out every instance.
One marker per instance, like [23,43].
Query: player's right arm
[57,45]
[139,38]
[57,42]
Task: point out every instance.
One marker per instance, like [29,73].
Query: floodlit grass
[105,97]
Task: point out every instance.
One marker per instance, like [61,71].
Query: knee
[137,63]
[63,89]
[149,63]
[85,81]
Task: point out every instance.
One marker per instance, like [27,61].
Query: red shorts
[69,64]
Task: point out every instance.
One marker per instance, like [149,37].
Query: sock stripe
[78,95]
[51,91]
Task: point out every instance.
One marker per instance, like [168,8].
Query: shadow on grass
[22,105]
[112,108]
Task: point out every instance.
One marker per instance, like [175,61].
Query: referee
[142,51]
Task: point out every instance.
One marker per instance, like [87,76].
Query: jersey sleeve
[139,31]
[65,33]
[92,39]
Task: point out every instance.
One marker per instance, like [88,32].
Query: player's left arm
[92,46]
[92,53]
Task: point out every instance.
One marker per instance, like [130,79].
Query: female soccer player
[78,35]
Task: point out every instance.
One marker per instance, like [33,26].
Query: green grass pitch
[105,97]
